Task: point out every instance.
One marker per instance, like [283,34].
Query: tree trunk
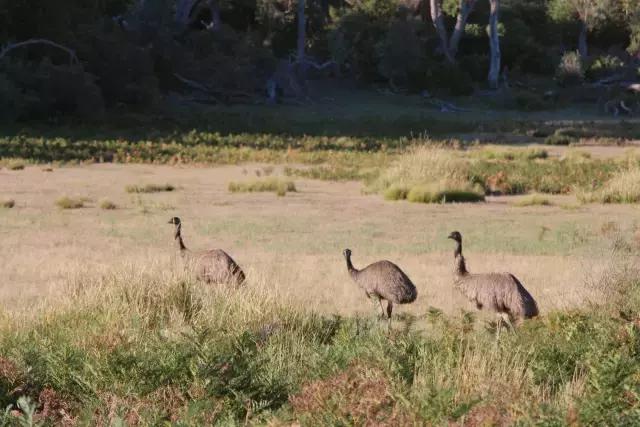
[466,7]
[582,41]
[438,22]
[302,30]
[183,11]
[494,43]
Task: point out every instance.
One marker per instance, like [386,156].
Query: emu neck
[352,271]
[178,237]
[460,266]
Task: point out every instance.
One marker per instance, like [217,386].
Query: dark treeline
[79,57]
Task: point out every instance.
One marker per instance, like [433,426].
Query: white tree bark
[438,22]
[302,31]
[466,7]
[494,43]
[582,41]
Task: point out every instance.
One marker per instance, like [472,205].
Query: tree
[448,46]
[591,14]
[494,43]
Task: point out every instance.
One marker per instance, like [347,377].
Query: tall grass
[142,344]
[623,187]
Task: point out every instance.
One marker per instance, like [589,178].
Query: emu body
[501,293]
[212,266]
[383,280]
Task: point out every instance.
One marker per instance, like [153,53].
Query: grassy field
[100,325]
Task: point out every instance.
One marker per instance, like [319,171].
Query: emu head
[175,221]
[347,253]
[455,235]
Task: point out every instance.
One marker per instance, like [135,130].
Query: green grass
[533,200]
[149,188]
[7,203]
[67,202]
[426,194]
[151,347]
[271,184]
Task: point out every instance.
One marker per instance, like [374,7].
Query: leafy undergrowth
[143,347]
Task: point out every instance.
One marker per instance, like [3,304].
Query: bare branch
[73,59]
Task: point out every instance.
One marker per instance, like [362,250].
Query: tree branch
[73,59]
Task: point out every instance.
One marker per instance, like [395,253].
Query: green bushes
[570,70]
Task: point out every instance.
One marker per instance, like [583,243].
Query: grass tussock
[7,203]
[533,200]
[623,187]
[141,344]
[149,188]
[66,202]
[271,184]
[107,204]
[15,165]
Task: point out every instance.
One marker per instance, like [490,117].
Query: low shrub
[7,203]
[66,202]
[15,165]
[570,71]
[273,184]
[396,192]
[149,188]
[107,204]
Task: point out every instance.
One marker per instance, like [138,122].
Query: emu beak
[450,236]
[170,221]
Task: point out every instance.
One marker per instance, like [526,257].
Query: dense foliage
[138,54]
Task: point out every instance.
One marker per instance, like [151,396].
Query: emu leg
[507,320]
[381,306]
[389,309]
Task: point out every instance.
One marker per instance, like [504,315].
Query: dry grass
[111,294]
[533,200]
[149,188]
[66,202]
[268,185]
[107,204]
[624,187]
[7,203]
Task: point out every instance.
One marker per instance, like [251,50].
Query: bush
[396,192]
[450,79]
[401,57]
[48,90]
[107,204]
[562,137]
[275,185]
[570,71]
[603,66]
[149,188]
[66,202]
[7,204]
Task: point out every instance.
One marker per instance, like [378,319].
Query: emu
[385,281]
[212,266]
[501,293]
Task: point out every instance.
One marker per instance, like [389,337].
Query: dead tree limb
[73,58]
